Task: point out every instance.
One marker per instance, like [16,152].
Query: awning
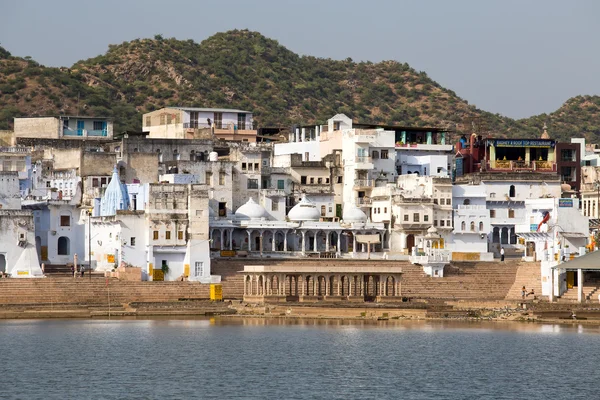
[535,236]
[573,234]
[587,262]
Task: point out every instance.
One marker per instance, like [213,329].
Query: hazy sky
[513,57]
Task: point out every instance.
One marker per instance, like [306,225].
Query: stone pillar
[580,285]
[245,277]
[327,240]
[302,287]
[326,285]
[304,137]
[273,241]
[338,278]
[315,241]
[249,241]
[354,242]
[260,242]
[231,239]
[303,242]
[264,285]
[403,243]
[285,248]
[339,243]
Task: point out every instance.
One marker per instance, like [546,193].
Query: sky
[513,57]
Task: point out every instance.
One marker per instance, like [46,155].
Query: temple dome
[251,210]
[115,196]
[305,210]
[353,214]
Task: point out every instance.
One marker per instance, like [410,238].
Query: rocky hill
[243,69]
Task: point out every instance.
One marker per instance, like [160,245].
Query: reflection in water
[294,358]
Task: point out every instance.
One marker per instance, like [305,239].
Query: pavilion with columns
[252,232]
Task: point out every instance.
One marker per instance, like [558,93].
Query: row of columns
[285,239]
[278,284]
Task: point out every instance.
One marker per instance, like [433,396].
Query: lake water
[313,359]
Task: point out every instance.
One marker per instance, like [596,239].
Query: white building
[471,239]
[553,229]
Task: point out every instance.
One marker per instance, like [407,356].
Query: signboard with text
[565,203]
[524,143]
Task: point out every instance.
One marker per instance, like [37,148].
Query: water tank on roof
[213,156]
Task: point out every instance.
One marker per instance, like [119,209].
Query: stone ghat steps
[530,276]
[461,281]
[21,291]
[589,289]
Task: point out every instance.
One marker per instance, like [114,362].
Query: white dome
[432,229]
[353,214]
[251,210]
[305,210]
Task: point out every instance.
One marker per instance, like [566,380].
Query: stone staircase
[590,293]
[461,281]
[71,291]
[530,276]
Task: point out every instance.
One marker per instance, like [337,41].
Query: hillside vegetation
[243,69]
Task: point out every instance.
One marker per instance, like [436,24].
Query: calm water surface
[262,359]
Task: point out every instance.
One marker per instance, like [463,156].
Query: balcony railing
[432,255]
[364,202]
[364,159]
[520,165]
[73,132]
[97,132]
[363,183]
[218,125]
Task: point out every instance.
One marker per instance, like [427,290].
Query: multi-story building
[200,123]
[71,127]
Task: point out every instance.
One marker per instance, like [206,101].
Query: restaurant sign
[524,143]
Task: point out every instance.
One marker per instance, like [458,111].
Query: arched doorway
[63,246]
[2,263]
[410,242]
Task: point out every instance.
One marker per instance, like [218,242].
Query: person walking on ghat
[82,270]
[73,272]
[523,292]
[502,254]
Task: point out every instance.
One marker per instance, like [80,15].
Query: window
[208,178]
[463,226]
[406,217]
[511,213]
[323,211]
[252,184]
[306,156]
[148,120]
[327,180]
[241,124]
[385,210]
[339,179]
[221,178]
[219,120]
[95,182]
[448,223]
[194,119]
[466,202]
[49,184]
[256,166]
[199,268]
[274,206]
[155,235]
[319,180]
[179,235]
[280,184]
[384,154]
[425,218]
[312,180]
[132,241]
[567,155]
[243,166]
[416,217]
[103,181]
[492,195]
[168,235]
[303,180]
[98,125]
[448,202]
[441,222]
[511,191]
[435,222]
[222,209]
[375,155]
[472,226]
[65,220]
[492,213]
[481,226]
